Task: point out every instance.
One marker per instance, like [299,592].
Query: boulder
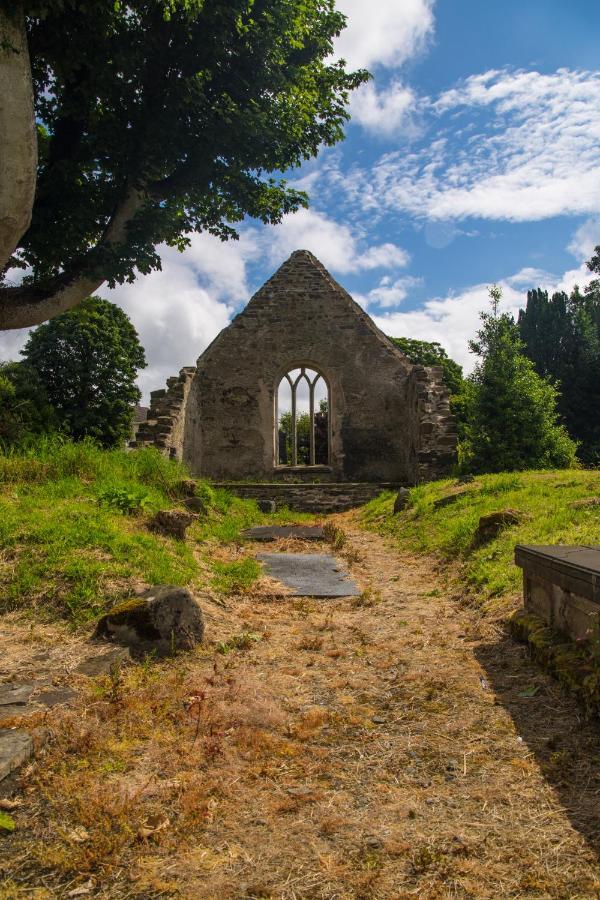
[401,500]
[266,506]
[187,487]
[196,505]
[164,619]
[491,525]
[449,499]
[586,502]
[171,523]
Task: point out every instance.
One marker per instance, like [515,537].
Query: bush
[25,410]
[511,412]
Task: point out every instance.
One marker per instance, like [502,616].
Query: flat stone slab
[16,747]
[310,574]
[14,693]
[103,663]
[275,532]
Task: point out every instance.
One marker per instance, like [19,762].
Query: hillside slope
[432,523]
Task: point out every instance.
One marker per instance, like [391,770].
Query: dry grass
[384,749]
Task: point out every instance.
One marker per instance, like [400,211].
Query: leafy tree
[87,359]
[561,335]
[303,436]
[430,353]
[512,415]
[25,409]
[156,119]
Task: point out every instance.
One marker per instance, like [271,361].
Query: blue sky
[472,157]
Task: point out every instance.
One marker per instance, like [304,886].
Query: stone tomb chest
[561,585]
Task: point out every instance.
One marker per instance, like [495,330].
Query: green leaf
[7,823]
[530,691]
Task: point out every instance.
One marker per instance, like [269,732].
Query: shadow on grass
[554,728]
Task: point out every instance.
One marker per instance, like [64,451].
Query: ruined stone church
[354,409]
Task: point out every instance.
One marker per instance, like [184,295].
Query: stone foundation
[311,498]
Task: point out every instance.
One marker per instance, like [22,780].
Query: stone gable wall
[390,421]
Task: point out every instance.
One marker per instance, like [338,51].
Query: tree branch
[18,160]
[27,305]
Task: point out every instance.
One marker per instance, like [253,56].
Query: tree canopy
[511,410]
[430,353]
[87,360]
[156,119]
[25,409]
[561,335]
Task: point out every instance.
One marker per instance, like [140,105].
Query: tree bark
[18,135]
[22,307]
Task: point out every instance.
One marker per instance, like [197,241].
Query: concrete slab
[310,574]
[275,532]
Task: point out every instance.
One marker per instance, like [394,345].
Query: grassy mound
[73,539]
[433,523]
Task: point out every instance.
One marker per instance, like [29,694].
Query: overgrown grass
[488,572]
[66,550]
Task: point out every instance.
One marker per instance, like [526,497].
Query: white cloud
[454,319]
[386,111]
[383,32]
[389,293]
[528,149]
[586,239]
[336,245]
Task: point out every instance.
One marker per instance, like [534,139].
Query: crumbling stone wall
[432,436]
[165,424]
[389,420]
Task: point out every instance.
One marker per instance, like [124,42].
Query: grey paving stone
[275,532]
[16,747]
[16,693]
[310,574]
[101,664]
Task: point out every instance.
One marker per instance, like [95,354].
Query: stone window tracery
[302,417]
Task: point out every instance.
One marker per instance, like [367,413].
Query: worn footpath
[384,746]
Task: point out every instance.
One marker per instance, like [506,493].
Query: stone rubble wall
[165,425]
[433,436]
[310,498]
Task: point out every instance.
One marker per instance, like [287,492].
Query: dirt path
[385,747]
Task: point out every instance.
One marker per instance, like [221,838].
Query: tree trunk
[18,136]
[22,307]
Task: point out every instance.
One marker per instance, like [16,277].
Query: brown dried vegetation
[383,749]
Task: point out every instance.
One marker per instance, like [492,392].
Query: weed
[128,502]
[312,644]
[335,536]
[241,642]
[368,598]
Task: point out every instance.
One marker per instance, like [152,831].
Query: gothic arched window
[302,417]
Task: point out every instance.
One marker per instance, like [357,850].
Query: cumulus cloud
[454,319]
[337,246]
[384,33]
[385,111]
[390,292]
[586,239]
[517,146]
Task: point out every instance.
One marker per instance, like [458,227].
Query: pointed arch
[302,418]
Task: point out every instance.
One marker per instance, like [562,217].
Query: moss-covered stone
[575,665]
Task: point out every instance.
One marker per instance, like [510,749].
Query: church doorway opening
[302,419]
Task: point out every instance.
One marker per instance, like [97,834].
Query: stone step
[324,497]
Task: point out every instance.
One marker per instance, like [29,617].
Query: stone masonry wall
[389,420]
[433,434]
[165,424]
